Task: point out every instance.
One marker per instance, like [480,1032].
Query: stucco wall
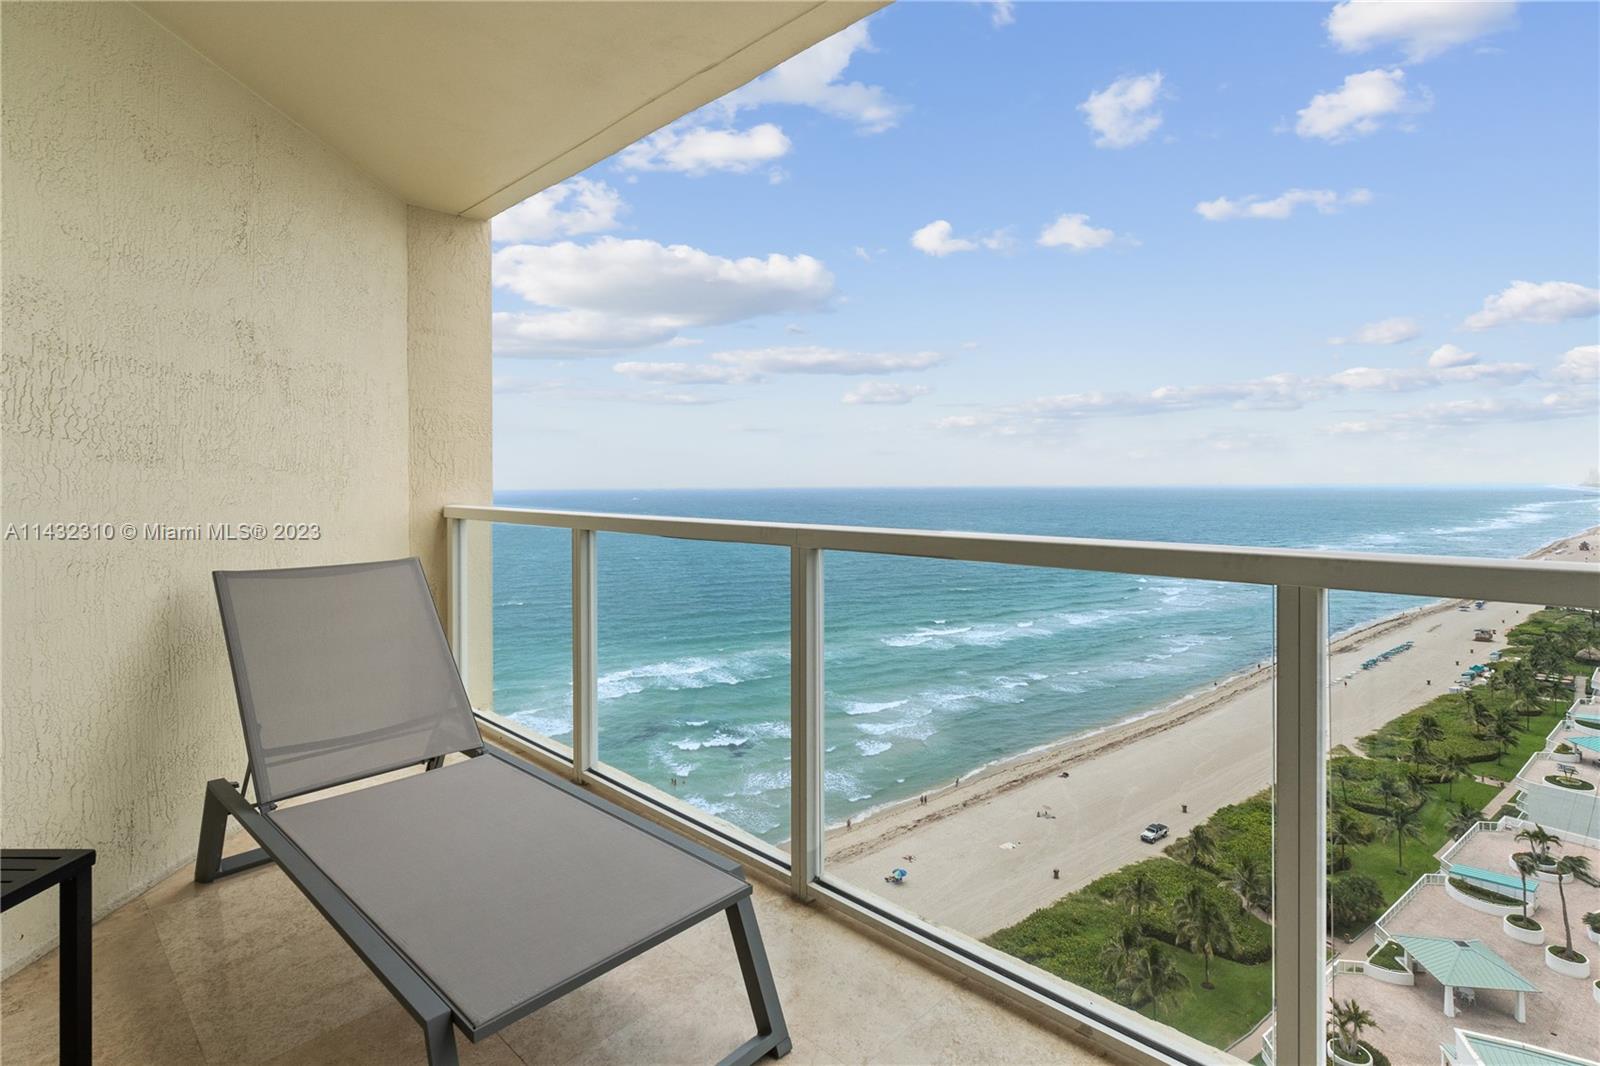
[205,320]
[447,338]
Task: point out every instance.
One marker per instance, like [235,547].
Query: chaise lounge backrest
[347,673]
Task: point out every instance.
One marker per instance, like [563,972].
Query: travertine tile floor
[246,971]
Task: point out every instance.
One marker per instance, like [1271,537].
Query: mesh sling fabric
[342,672]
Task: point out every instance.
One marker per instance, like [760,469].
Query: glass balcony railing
[1135,783]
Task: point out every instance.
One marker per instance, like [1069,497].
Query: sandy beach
[981,856]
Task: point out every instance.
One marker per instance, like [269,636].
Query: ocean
[933,668]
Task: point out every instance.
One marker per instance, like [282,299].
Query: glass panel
[533,631]
[998,740]
[694,675]
[1453,732]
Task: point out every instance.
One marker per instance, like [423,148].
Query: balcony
[251,284]
[960,903]
[246,971]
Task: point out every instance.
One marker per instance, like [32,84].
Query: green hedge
[1172,879]
[1470,889]
[1240,829]
[1067,936]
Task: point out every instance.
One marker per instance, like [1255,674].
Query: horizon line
[1339,485]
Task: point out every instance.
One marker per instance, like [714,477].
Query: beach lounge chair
[477,891]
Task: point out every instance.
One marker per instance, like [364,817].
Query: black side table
[26,872]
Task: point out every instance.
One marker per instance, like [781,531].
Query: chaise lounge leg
[213,827]
[208,861]
[772,1032]
[441,1037]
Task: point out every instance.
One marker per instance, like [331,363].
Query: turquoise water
[933,668]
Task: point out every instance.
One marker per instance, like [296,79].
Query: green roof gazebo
[1465,964]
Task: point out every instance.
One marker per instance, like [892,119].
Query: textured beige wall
[450,373]
[205,320]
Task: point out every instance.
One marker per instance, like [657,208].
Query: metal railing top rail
[1535,581]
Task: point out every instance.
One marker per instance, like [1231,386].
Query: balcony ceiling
[468,107]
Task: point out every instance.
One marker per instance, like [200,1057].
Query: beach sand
[1208,750]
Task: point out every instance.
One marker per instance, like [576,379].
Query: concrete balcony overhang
[469,107]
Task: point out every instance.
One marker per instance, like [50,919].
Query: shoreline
[925,820]
[1221,688]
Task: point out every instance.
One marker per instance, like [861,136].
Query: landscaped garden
[1183,938]
[1148,936]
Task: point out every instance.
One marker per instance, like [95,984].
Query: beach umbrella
[900,874]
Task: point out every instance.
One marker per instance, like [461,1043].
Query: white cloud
[1124,112]
[884,392]
[1385,331]
[576,207]
[1359,106]
[814,79]
[614,293]
[751,366]
[1579,364]
[1421,28]
[1528,301]
[687,373]
[812,359]
[1276,392]
[699,150]
[1325,201]
[937,239]
[1475,412]
[1448,355]
[573,332]
[1373,379]
[1074,232]
[1002,13]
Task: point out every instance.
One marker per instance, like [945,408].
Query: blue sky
[1082,243]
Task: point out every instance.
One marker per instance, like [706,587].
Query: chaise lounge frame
[404,979]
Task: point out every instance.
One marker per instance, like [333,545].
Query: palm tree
[1404,823]
[1392,792]
[1428,730]
[1345,828]
[1346,1022]
[1118,956]
[1525,866]
[1452,768]
[1421,755]
[1546,658]
[1202,927]
[1249,879]
[1482,716]
[1462,818]
[1199,848]
[1539,842]
[1137,894]
[1576,868]
[1154,977]
[1524,703]
[1504,730]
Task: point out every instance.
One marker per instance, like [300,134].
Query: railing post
[1299,844]
[585,637]
[455,595]
[805,719]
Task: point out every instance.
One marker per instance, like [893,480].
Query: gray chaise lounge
[477,891]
